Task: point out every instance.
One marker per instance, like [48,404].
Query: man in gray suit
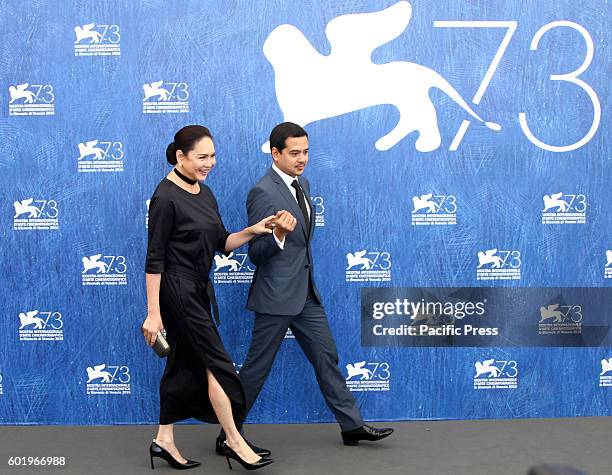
[283,293]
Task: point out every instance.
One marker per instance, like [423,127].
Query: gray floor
[432,448]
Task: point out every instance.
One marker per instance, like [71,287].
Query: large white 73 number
[571,77]
[568,77]
[511,28]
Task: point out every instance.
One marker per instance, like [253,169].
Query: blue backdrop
[93,92]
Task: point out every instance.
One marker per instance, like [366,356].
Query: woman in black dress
[185,230]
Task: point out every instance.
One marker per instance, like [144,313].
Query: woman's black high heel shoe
[230,454]
[158,451]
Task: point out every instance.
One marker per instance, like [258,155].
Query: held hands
[151,327]
[264,226]
[284,223]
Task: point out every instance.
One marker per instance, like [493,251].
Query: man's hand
[284,223]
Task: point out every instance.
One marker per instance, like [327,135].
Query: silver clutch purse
[161,346]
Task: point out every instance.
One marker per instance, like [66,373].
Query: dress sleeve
[224,232]
[161,223]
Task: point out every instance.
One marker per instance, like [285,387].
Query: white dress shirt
[288,180]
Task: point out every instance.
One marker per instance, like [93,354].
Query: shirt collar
[286,178]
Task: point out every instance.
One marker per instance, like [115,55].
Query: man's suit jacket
[280,283]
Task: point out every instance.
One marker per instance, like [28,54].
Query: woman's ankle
[234,441]
[166,442]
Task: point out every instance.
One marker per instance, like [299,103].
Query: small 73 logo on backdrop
[100,156]
[431,209]
[368,266]
[499,259]
[31,99]
[368,371]
[101,269]
[496,374]
[364,376]
[33,317]
[560,208]
[165,97]
[608,266]
[496,369]
[368,260]
[92,34]
[104,264]
[31,214]
[100,150]
[234,262]
[106,379]
[494,264]
[561,313]
[32,93]
[605,379]
[36,325]
[97,40]
[606,366]
[108,374]
[319,210]
[235,268]
[166,91]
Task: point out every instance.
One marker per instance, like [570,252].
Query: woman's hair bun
[171,153]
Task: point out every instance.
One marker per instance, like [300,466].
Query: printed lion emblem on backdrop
[311,86]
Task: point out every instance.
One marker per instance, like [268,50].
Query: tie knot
[295,184]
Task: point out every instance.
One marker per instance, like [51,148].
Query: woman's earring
[180,164]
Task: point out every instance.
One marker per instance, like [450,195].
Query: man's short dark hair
[282,132]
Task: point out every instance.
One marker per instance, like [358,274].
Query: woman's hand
[264,226]
[151,327]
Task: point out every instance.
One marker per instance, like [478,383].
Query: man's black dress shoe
[365,432]
[258,450]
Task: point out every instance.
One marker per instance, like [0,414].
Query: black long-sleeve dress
[185,230]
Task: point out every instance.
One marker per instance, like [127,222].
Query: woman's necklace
[184,178]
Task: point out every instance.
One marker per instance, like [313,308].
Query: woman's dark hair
[185,139]
[282,132]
